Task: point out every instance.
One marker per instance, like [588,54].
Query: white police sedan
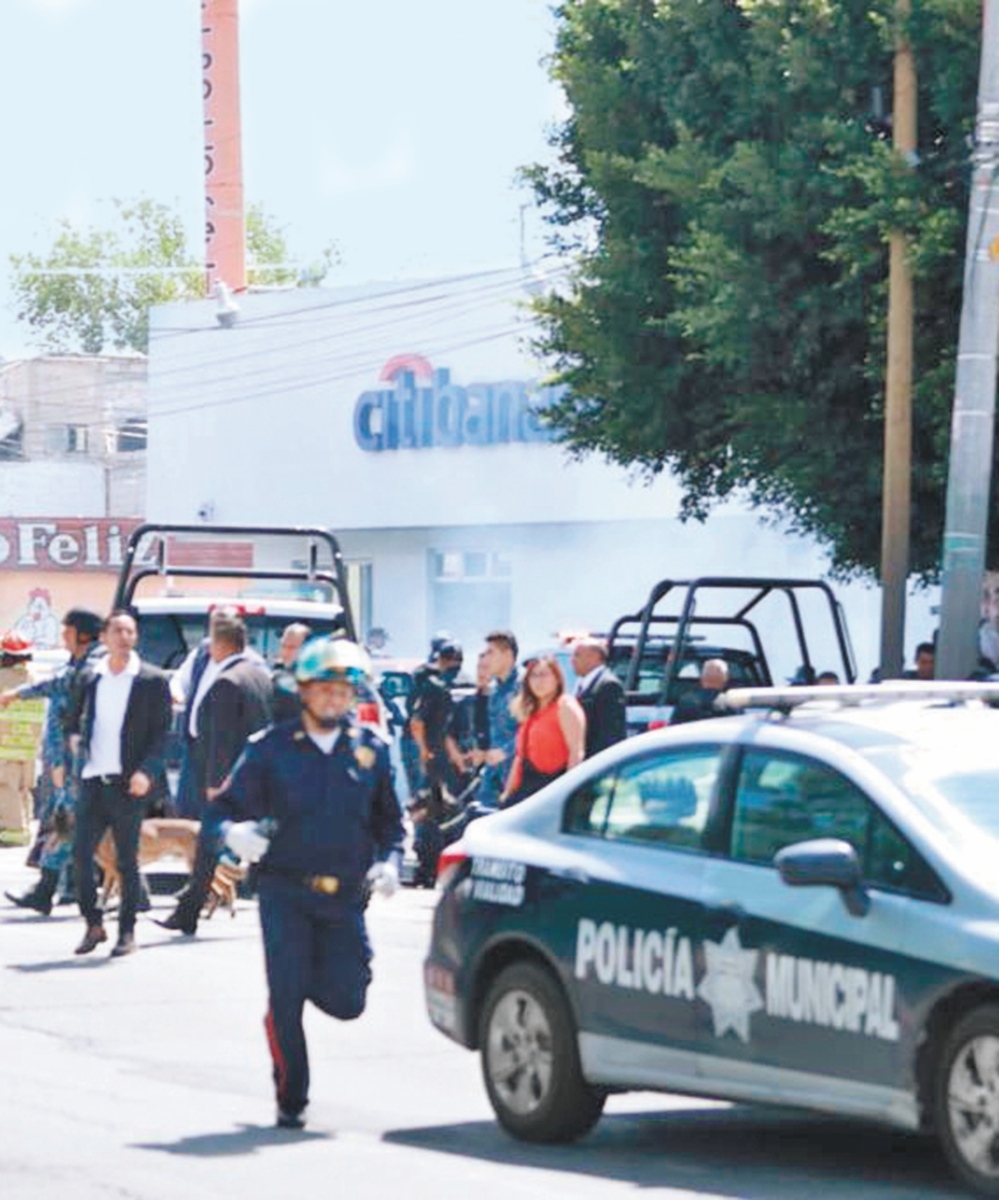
[798,904]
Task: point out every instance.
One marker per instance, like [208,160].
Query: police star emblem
[729,987]
[365,757]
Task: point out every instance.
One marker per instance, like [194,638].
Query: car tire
[530,1059]
[966,1099]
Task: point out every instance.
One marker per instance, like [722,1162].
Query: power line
[449,305]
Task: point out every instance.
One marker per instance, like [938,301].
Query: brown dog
[170,837]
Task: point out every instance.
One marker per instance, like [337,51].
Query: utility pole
[973,420]
[897,498]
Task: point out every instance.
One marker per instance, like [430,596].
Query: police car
[797,904]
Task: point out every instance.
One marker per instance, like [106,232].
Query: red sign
[63,543]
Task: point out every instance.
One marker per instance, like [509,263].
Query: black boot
[40,896]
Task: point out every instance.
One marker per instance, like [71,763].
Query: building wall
[33,489]
[73,409]
[68,462]
[583,576]
[333,408]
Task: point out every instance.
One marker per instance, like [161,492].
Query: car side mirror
[825,862]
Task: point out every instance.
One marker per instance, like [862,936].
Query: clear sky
[395,127]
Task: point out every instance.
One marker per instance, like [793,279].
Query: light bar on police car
[954,692]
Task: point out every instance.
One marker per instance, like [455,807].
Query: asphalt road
[148,1077]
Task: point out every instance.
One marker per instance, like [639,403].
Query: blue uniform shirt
[502,735]
[334,814]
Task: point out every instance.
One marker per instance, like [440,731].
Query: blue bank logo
[422,408]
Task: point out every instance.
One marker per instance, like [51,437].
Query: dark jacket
[603,705]
[698,705]
[146,723]
[285,703]
[237,704]
[334,814]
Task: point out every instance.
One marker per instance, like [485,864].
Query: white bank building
[401,416]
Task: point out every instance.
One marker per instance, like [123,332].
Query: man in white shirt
[122,713]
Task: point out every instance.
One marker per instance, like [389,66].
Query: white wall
[583,576]
[46,489]
[258,421]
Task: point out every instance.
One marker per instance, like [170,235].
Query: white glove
[384,878]
[245,840]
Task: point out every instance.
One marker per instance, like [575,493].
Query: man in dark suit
[285,701]
[600,693]
[231,701]
[699,705]
[122,713]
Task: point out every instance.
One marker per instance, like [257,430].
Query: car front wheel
[530,1059]
[966,1099]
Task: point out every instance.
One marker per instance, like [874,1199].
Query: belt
[326,885]
[107,780]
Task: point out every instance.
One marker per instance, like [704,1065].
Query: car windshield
[166,638]
[954,787]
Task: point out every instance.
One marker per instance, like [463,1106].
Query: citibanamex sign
[63,544]
[422,408]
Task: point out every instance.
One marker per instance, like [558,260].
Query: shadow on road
[61,964]
[748,1152]
[244,1139]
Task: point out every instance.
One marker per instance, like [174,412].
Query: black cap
[86,623]
[450,650]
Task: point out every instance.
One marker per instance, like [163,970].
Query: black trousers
[206,858]
[103,805]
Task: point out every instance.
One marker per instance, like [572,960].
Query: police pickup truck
[764,630]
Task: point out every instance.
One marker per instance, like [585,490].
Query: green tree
[727,190]
[268,256]
[93,288]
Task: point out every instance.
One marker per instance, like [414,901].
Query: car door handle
[569,874]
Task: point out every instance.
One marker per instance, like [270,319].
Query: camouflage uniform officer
[312,800]
[80,632]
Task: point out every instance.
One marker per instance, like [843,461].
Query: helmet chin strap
[325,722]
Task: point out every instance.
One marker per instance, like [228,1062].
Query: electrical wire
[456,305]
[451,303]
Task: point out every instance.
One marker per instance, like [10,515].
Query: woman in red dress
[552,733]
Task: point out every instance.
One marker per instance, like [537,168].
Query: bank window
[664,799]
[470,566]
[783,799]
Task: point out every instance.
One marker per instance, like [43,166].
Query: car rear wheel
[966,1099]
[530,1059]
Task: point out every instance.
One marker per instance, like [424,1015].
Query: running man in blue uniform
[312,801]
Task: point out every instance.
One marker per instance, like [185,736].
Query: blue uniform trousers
[317,949]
